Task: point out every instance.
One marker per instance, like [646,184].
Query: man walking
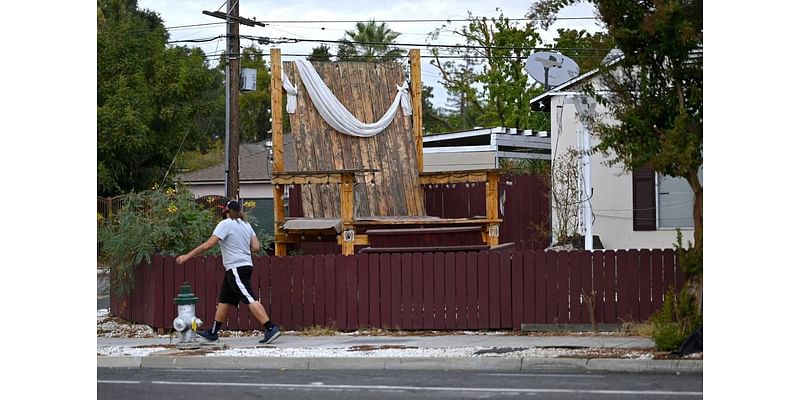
[237,239]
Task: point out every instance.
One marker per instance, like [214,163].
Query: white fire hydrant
[186,322]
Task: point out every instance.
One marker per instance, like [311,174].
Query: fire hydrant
[186,323]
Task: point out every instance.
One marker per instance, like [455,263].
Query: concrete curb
[404,363]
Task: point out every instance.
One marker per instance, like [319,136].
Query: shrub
[675,321]
[152,222]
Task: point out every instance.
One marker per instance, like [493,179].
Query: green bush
[675,321]
[152,222]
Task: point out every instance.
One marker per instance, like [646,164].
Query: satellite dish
[551,69]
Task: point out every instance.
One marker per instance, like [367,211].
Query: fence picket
[449,291]
[494,290]
[362,262]
[374,290]
[396,296]
[505,290]
[657,282]
[330,290]
[438,292]
[645,282]
[483,290]
[472,290]
[428,304]
[461,290]
[386,290]
[417,290]
[517,285]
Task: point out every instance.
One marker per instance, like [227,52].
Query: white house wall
[612,200]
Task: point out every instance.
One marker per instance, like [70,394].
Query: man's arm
[202,248]
[255,245]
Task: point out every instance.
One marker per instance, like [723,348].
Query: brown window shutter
[644,199]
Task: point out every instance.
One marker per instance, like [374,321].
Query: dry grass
[318,330]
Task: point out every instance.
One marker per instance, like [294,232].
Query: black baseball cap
[233,205]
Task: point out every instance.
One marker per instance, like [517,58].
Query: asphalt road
[141,383]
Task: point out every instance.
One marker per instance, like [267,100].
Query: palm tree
[369,42]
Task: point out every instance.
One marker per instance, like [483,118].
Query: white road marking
[125,382]
[433,388]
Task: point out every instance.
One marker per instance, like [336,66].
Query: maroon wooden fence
[442,291]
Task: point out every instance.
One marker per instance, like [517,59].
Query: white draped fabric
[333,111]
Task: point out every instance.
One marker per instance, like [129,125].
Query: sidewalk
[464,351]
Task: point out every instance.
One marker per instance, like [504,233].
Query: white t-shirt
[234,235]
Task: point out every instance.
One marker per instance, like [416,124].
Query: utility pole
[232,20]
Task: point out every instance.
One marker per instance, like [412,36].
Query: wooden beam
[277,109]
[347,208]
[416,104]
[453,177]
[492,212]
[276,93]
[280,218]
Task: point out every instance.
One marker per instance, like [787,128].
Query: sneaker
[207,335]
[270,334]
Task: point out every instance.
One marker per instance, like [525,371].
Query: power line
[418,20]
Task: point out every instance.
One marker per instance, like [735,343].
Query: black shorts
[236,287]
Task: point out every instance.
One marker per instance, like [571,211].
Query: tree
[148,98]
[497,87]
[320,53]
[588,50]
[656,96]
[370,41]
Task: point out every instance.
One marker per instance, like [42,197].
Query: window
[661,201]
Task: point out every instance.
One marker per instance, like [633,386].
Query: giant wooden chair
[355,189]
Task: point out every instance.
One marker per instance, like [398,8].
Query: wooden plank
[170,287]
[341,292]
[563,287]
[587,288]
[517,289]
[657,280]
[528,288]
[576,306]
[374,291]
[417,290]
[634,271]
[625,274]
[386,290]
[449,291]
[396,291]
[483,290]
[308,291]
[416,103]
[330,290]
[505,292]
[461,290]
[472,290]
[296,267]
[645,284]
[439,291]
[164,309]
[680,277]
[276,109]
[265,285]
[552,267]
[611,287]
[351,269]
[540,287]
[199,267]
[428,304]
[406,290]
[494,291]
[363,299]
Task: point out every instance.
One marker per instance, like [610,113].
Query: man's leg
[258,311]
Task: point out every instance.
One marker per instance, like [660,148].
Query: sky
[179,13]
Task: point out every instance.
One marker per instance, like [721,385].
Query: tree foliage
[496,90]
[370,41]
[148,97]
[320,53]
[254,107]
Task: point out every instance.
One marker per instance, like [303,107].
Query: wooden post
[347,204]
[492,212]
[416,104]
[233,102]
[276,93]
